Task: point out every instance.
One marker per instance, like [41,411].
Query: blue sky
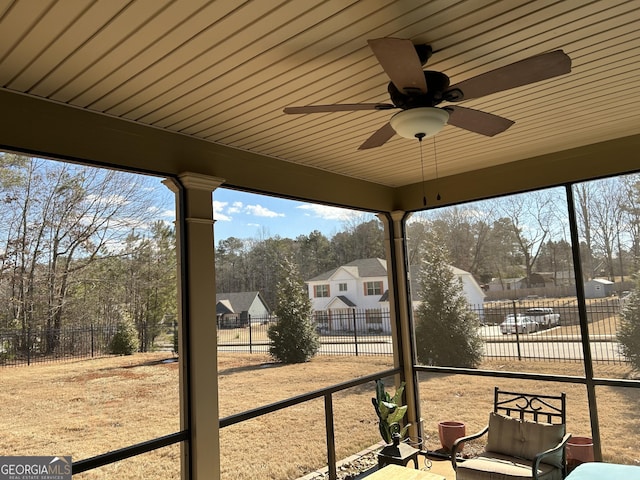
[247,215]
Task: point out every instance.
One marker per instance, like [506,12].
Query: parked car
[524,324]
[544,316]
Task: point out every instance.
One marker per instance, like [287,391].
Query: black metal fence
[550,330]
[24,347]
[367,332]
[344,332]
[555,338]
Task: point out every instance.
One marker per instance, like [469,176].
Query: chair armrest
[538,458]
[460,440]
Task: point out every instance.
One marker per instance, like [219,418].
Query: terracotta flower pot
[579,450]
[449,432]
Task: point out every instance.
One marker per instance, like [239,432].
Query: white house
[471,289]
[361,283]
[355,295]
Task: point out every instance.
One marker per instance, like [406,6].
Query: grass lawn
[88,407]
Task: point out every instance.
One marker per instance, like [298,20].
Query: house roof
[237,302]
[167,87]
[414,273]
[377,267]
[224,307]
[362,268]
[344,302]
[602,281]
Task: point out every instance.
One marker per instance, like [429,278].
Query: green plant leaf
[380,393]
[397,415]
[386,409]
[397,398]
[385,432]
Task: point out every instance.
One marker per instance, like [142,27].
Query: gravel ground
[366,464]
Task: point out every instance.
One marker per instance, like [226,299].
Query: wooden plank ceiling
[223,71]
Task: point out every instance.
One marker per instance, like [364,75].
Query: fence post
[29,346]
[250,336]
[515,322]
[92,344]
[355,330]
[175,336]
[329,428]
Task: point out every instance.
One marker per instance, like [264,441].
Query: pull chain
[435,158]
[420,136]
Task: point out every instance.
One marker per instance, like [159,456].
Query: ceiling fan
[417,92]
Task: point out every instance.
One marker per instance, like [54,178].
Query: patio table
[397,472]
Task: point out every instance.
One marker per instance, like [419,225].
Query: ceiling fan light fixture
[419,122]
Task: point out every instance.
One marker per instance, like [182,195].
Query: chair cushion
[495,466]
[523,438]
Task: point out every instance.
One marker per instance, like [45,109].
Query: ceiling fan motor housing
[437,83]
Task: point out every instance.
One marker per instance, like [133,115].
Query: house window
[320,291]
[342,287]
[373,288]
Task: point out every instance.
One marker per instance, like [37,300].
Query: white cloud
[327,212]
[260,211]
[218,211]
[162,212]
[168,214]
[236,207]
[224,212]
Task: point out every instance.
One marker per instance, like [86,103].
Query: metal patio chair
[526,438]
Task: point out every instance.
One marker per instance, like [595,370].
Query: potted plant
[390,412]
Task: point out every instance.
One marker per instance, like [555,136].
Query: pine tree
[629,331]
[446,330]
[293,338]
[125,340]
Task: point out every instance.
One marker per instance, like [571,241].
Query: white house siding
[370,309]
[258,311]
[472,291]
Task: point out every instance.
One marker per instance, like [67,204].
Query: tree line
[80,246]
[524,234]
[247,265]
[519,236]
[84,246]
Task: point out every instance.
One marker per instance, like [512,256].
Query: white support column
[198,352]
[400,302]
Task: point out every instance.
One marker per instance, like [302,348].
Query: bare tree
[465,229]
[605,206]
[59,218]
[631,215]
[583,194]
[530,218]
